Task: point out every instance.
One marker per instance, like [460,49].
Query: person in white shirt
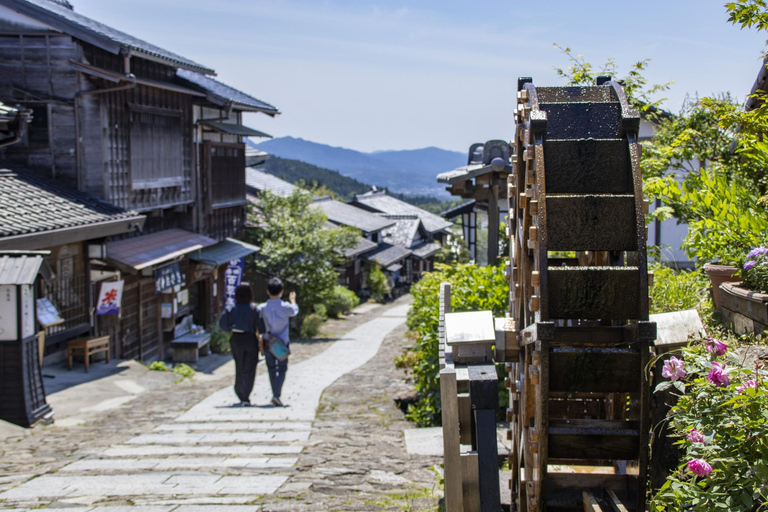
[276,314]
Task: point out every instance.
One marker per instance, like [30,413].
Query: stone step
[172,450]
[146,484]
[155,464]
[234,426]
[174,438]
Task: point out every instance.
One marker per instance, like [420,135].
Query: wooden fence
[470,397]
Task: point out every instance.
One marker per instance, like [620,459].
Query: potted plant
[745,304]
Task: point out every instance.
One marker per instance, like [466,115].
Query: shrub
[321,310]
[675,291]
[184,371]
[473,288]
[720,419]
[341,301]
[755,270]
[157,366]
[310,326]
[219,339]
[376,282]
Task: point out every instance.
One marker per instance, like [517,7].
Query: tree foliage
[640,93]
[297,246]
[473,288]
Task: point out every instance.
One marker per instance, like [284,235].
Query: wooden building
[409,233]
[144,130]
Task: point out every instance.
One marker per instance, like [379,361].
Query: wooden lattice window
[226,165]
[157,148]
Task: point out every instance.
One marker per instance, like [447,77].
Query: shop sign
[232,278]
[168,277]
[110,298]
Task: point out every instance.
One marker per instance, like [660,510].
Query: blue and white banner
[232,278]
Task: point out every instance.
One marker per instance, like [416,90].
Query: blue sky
[402,75]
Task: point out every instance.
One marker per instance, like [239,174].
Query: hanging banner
[110,298]
[232,278]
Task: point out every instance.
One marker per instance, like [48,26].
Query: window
[227,173]
[157,148]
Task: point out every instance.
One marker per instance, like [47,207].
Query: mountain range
[405,171]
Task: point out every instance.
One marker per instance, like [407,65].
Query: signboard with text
[168,277]
[232,278]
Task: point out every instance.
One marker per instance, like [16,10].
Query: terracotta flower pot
[719,274]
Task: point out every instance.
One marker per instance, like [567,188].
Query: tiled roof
[107,38]
[30,203]
[426,250]
[384,203]
[224,93]
[387,254]
[153,249]
[347,215]
[403,232]
[466,207]
[261,181]
[362,245]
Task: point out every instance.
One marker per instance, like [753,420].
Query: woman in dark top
[245,323]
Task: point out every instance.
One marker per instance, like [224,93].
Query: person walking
[245,323]
[276,314]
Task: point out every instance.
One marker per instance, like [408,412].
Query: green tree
[640,94]
[297,246]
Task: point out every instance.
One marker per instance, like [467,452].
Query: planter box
[746,311]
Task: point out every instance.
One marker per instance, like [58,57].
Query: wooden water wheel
[579,298]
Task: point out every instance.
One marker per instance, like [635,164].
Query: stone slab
[424,441]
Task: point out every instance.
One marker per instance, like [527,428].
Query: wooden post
[451,455]
[493,225]
[484,395]
[454,502]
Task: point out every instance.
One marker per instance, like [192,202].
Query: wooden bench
[86,348]
[189,347]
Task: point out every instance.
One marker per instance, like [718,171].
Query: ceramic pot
[719,274]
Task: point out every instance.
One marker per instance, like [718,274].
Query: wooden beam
[590,502]
[615,502]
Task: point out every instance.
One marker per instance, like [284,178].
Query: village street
[182,447]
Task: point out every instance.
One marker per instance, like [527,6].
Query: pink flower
[673,369]
[748,384]
[717,375]
[700,467]
[717,347]
[695,436]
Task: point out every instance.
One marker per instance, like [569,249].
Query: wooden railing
[469,395]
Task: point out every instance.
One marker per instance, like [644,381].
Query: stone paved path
[213,456]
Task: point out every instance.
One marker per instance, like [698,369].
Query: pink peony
[748,384]
[695,436]
[717,347]
[700,467]
[718,376]
[673,369]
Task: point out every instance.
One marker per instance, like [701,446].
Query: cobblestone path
[214,457]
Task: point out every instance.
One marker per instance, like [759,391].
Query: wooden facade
[122,127]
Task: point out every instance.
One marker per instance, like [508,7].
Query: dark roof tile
[91,31]
[384,203]
[32,203]
[225,93]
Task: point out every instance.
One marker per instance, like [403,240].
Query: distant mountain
[344,188]
[410,171]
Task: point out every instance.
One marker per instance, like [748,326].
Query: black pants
[245,352]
